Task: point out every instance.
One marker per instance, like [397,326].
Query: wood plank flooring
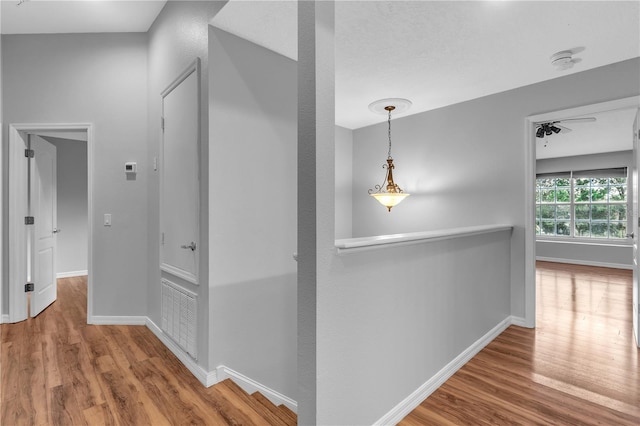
[56,370]
[580,366]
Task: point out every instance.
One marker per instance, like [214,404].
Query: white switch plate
[107,219]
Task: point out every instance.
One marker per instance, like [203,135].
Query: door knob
[191,246]
[56,230]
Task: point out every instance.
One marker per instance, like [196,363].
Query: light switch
[107,219]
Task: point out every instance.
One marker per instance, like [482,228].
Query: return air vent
[179,316]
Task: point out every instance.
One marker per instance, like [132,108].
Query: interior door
[180,181]
[635,227]
[44,209]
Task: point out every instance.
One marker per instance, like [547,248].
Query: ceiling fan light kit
[554,127]
[391,194]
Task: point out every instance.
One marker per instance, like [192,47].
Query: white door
[636,252]
[180,181]
[44,209]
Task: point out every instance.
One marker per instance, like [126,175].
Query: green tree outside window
[582,207]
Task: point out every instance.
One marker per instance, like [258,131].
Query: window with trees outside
[586,204]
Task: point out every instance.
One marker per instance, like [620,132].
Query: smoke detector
[563,60]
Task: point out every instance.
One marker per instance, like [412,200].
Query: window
[585,204]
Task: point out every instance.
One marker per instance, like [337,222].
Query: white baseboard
[585,262]
[70,274]
[519,321]
[116,320]
[207,378]
[401,410]
[250,386]
[210,378]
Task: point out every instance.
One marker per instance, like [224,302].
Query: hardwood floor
[56,370]
[580,366]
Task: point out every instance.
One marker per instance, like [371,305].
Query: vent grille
[179,316]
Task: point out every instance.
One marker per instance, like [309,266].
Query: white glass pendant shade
[391,194]
[389,199]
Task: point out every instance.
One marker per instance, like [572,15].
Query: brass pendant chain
[389,154]
[389,108]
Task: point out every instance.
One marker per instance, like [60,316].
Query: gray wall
[452,167]
[394,317]
[583,253]
[458,175]
[3,309]
[253,110]
[316,187]
[177,37]
[586,162]
[614,254]
[344,182]
[99,79]
[73,240]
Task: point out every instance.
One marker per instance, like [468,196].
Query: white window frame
[572,220]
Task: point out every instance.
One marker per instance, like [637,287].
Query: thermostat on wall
[130,167]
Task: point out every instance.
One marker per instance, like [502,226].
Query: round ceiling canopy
[400,105]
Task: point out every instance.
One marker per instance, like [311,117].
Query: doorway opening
[50,213]
[531,126]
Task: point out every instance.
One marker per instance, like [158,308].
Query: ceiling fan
[554,127]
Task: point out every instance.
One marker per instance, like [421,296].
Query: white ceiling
[441,53]
[78,16]
[612,131]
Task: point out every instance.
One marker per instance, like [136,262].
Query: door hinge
[29,220]
[162,241]
[29,153]
[28,287]
[162,123]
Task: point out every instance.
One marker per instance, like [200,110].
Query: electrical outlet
[107,219]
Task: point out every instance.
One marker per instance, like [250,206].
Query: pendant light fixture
[389,194]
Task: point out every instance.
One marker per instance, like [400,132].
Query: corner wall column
[316,188]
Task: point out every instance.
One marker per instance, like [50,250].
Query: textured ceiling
[78,16]
[441,53]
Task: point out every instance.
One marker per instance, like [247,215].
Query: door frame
[17,307]
[193,68]
[529,191]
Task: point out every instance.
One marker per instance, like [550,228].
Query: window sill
[351,245]
[588,242]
